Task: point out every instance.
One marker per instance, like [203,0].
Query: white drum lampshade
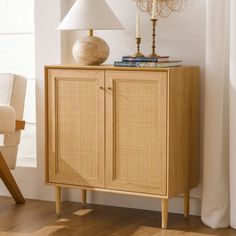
[90,15]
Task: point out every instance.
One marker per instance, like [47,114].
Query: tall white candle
[154,9]
[138,35]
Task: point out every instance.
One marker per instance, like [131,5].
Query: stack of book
[160,62]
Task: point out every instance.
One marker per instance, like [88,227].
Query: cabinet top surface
[111,67]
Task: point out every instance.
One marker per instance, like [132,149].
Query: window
[17,41]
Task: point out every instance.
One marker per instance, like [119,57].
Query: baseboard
[145,203]
[46,193]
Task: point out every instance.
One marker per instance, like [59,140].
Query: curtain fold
[219,151]
[233,115]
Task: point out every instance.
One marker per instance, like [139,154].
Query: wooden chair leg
[164,207]
[9,181]
[186,204]
[58,200]
[83,197]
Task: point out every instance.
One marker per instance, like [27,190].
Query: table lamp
[90,15]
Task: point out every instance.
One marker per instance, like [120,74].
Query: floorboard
[38,218]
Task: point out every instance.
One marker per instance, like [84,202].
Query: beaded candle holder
[164,7]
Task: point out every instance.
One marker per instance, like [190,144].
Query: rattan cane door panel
[76,130]
[136,131]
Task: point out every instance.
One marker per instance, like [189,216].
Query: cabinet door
[75,101]
[136,131]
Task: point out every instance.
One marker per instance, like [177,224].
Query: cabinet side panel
[194,134]
[183,130]
[46,123]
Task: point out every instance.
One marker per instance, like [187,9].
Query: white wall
[48,51]
[180,36]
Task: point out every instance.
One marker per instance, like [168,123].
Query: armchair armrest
[20,125]
[7,119]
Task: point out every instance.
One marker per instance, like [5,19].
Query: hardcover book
[144,59]
[147,64]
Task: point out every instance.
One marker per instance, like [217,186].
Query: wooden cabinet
[128,131]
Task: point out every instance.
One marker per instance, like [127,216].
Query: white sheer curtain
[219,174]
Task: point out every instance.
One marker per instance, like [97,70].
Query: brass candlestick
[153,55]
[138,53]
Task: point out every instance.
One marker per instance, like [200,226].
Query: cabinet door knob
[101,87]
[109,88]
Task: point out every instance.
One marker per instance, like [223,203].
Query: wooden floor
[38,218]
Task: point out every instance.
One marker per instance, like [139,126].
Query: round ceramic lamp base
[90,50]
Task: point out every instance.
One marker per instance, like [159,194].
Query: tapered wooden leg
[164,207]
[58,200]
[83,197]
[9,181]
[186,204]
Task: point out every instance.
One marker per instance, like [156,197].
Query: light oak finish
[20,125]
[9,181]
[58,200]
[183,130]
[83,197]
[186,204]
[6,175]
[76,127]
[109,190]
[135,138]
[37,218]
[164,212]
[142,124]
[105,67]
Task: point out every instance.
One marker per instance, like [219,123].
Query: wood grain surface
[37,218]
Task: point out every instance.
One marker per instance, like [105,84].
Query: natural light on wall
[17,56]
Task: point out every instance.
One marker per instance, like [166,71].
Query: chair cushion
[7,119]
[6,85]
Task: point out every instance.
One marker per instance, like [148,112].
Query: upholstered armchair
[12,98]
